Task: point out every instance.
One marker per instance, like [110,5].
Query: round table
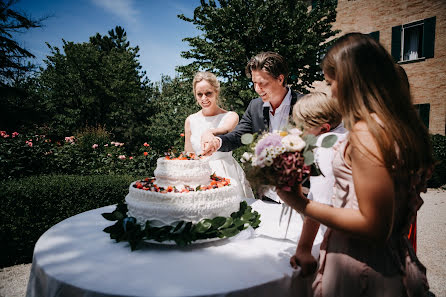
[76,258]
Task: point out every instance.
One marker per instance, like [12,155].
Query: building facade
[414,32]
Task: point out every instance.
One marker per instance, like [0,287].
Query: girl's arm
[374,190]
[303,257]
[187,133]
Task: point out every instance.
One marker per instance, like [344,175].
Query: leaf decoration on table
[183,233]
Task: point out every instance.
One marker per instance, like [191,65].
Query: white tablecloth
[76,258]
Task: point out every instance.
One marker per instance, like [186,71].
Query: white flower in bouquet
[260,159]
[246,157]
[293,143]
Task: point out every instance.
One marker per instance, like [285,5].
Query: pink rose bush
[25,154]
[281,158]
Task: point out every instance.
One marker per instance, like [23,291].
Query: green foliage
[91,153]
[96,83]
[234,31]
[438,178]
[183,233]
[171,108]
[16,106]
[30,206]
[13,55]
[90,136]
[22,155]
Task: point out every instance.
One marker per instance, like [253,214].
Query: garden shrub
[90,136]
[439,152]
[23,155]
[30,206]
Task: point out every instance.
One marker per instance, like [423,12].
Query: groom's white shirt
[279,120]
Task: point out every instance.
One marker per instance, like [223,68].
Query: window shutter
[429,37]
[375,35]
[423,111]
[396,43]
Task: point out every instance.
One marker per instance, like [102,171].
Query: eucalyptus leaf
[310,140]
[309,157]
[247,138]
[329,141]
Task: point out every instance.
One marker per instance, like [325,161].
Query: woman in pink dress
[380,170]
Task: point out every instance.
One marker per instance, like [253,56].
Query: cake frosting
[182,190]
[179,173]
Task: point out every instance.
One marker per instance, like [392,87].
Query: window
[414,41]
[423,111]
[412,34]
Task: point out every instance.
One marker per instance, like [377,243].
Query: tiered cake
[182,190]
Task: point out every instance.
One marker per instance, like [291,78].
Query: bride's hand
[209,143]
[206,137]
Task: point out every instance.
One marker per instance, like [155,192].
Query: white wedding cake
[182,190]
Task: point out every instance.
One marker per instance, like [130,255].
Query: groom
[268,72]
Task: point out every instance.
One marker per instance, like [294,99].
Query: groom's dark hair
[271,62]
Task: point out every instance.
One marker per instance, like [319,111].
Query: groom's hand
[210,147]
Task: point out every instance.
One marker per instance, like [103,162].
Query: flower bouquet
[281,158]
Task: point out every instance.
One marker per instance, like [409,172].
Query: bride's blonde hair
[210,78]
[368,83]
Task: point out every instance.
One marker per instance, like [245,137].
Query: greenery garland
[183,233]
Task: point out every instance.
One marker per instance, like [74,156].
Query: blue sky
[150,24]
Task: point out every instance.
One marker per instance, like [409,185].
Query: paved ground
[431,250]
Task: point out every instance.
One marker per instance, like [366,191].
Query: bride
[213,118]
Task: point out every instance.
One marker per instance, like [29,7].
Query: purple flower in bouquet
[271,140]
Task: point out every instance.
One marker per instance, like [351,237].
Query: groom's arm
[232,140]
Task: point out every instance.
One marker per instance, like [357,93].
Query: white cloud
[121,8]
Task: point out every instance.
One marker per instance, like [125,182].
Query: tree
[171,106]
[12,55]
[15,109]
[96,83]
[236,30]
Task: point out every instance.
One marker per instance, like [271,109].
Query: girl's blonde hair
[210,78]
[315,109]
[369,83]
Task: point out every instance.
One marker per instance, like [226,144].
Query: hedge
[438,178]
[30,206]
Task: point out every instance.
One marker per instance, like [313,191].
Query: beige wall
[427,78]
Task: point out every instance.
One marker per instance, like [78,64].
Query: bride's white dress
[222,163]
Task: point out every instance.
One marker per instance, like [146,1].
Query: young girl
[317,114]
[379,171]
